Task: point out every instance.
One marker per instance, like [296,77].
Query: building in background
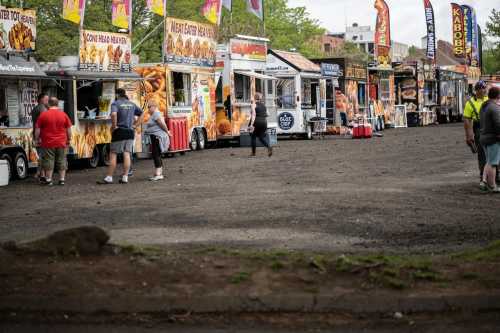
[362,36]
[328,43]
[399,51]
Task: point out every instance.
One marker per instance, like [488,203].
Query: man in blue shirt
[124,117]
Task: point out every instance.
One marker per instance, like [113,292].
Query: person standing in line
[258,125]
[53,133]
[490,138]
[160,138]
[124,118]
[43,105]
[472,125]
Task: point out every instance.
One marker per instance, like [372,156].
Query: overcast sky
[407,16]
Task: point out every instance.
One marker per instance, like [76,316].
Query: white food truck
[300,92]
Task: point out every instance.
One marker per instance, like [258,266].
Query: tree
[352,51]
[491,52]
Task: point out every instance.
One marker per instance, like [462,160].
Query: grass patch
[469,276]
[277,265]
[143,251]
[490,252]
[239,277]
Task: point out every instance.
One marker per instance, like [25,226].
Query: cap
[480,85]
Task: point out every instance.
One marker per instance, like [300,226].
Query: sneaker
[131,173]
[41,180]
[62,182]
[46,182]
[495,190]
[156,178]
[270,152]
[484,187]
[121,181]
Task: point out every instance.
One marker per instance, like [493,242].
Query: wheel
[105,155]
[20,166]
[309,133]
[194,140]
[202,141]
[7,157]
[96,157]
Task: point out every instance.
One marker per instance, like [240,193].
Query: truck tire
[20,166]
[7,157]
[194,140]
[309,133]
[202,141]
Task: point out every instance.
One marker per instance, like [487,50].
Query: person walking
[490,138]
[258,125]
[160,138]
[472,125]
[43,105]
[53,134]
[124,118]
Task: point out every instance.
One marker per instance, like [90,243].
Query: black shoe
[104,182]
[47,182]
[121,181]
[62,182]
[41,180]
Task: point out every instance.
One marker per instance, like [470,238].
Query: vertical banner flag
[458,30]
[228,4]
[121,13]
[468,31]
[383,34]
[431,30]
[475,60]
[480,46]
[74,10]
[211,10]
[156,6]
[256,7]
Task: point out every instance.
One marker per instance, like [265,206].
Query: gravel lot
[413,190]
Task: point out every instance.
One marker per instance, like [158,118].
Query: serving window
[17,100]
[385,90]
[181,88]
[242,88]
[285,93]
[430,96]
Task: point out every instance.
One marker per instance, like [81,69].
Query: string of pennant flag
[466,32]
[121,10]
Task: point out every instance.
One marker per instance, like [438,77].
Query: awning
[20,67]
[256,75]
[84,75]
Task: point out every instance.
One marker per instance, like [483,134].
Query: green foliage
[491,53]
[286,27]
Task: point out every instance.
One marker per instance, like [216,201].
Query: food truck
[300,92]
[451,95]
[351,98]
[241,65]
[416,89]
[86,85]
[184,84]
[382,95]
[20,82]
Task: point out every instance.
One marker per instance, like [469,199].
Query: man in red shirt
[53,132]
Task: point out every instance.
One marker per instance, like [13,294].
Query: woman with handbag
[258,125]
[160,138]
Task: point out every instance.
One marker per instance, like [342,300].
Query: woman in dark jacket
[258,125]
[490,138]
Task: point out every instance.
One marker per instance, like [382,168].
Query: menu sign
[13,105]
[248,50]
[458,31]
[17,29]
[189,43]
[29,95]
[105,51]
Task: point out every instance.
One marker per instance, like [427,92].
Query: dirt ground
[414,190]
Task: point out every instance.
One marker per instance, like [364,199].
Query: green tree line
[286,27]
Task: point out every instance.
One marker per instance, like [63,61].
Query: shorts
[39,152]
[54,158]
[123,146]
[493,154]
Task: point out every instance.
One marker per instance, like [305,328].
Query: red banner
[459,47]
[382,33]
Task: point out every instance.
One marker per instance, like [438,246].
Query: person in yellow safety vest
[473,128]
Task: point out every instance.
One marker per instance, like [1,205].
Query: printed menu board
[189,43]
[17,29]
[248,50]
[104,51]
[13,105]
